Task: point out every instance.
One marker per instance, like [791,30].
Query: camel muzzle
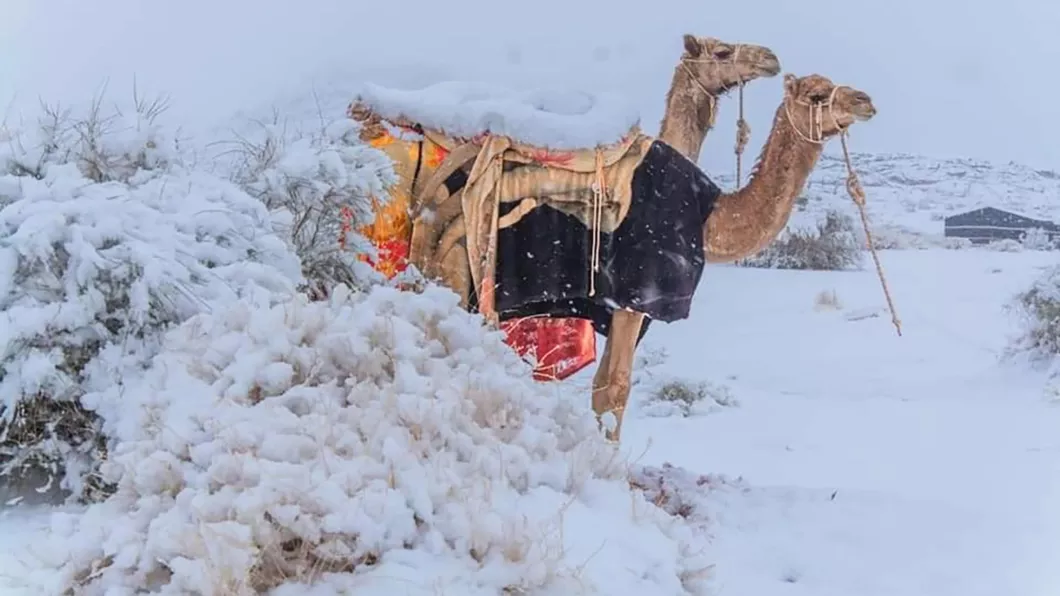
[769,66]
[863,108]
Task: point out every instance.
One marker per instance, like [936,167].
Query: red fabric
[393,257]
[561,347]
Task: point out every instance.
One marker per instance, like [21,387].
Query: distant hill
[914,193]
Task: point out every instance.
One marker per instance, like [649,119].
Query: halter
[743,130]
[816,109]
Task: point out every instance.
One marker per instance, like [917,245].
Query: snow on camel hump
[552,118]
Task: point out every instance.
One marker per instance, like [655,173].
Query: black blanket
[651,264]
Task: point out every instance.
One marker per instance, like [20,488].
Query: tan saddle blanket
[592,184]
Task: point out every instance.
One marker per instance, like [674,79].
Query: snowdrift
[376,443]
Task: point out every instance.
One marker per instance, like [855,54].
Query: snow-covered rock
[376,443]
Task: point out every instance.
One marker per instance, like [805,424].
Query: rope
[599,191]
[853,184]
[743,135]
[857,193]
[743,130]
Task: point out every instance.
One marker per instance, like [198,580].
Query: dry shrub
[317,182]
[827,300]
[1038,239]
[1039,309]
[682,397]
[833,245]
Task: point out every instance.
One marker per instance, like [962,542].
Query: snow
[554,118]
[384,433]
[855,462]
[942,459]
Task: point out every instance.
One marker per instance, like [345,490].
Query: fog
[951,78]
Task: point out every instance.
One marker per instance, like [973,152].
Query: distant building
[988,224]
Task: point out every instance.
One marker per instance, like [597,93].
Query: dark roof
[996,217]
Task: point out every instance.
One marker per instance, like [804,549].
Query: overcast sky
[960,78]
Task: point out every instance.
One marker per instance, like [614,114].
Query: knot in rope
[743,135]
[855,190]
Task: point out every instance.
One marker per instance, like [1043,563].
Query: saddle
[591,184]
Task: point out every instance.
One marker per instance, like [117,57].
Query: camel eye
[723,54]
[818,97]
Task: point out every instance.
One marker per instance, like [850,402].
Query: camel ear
[692,45]
[791,84]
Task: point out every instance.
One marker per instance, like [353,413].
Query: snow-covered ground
[875,464]
[870,464]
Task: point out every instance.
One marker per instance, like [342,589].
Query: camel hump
[548,120]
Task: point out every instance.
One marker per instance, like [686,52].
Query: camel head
[818,108]
[720,66]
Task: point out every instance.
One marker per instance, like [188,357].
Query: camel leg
[611,383]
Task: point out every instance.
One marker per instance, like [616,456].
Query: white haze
[953,78]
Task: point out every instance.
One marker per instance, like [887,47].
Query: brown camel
[708,69]
[743,222]
[734,225]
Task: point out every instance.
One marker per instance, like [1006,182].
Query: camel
[743,222]
[673,221]
[708,69]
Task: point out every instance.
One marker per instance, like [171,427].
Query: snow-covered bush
[954,243]
[1038,239]
[667,395]
[1005,245]
[833,245]
[1039,310]
[320,185]
[104,147]
[106,240]
[682,397]
[376,442]
[680,492]
[827,300]
[891,237]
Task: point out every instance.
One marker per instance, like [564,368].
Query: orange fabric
[391,231]
[561,347]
